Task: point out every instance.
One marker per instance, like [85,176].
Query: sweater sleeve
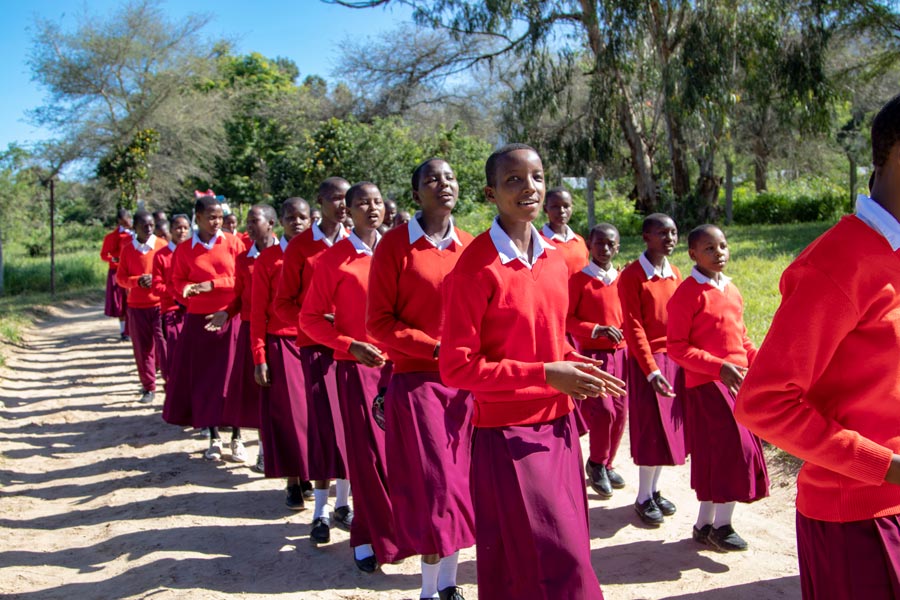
[159,285]
[633,327]
[574,325]
[290,285]
[181,271]
[316,304]
[260,293]
[107,250]
[462,361]
[682,308]
[125,277]
[814,316]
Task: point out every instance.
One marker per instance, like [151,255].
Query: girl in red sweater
[172,311]
[558,207]
[203,274]
[595,323]
[707,337]
[428,424]
[333,314]
[109,252]
[504,315]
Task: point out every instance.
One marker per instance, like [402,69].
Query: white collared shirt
[566,235]
[283,243]
[172,246]
[319,235]
[195,239]
[253,252]
[663,272]
[509,252]
[146,246]
[873,214]
[416,232]
[125,230]
[701,279]
[594,271]
[361,247]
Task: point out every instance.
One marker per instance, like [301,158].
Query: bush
[775,208]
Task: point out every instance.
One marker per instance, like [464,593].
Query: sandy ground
[99,498]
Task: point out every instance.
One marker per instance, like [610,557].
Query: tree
[126,168]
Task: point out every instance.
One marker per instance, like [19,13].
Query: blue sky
[308,31]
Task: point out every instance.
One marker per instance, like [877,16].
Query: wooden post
[52,240]
[589,199]
[729,190]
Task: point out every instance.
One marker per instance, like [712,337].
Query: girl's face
[181,230]
[662,238]
[559,209]
[604,247]
[258,227]
[144,229]
[295,220]
[229,223]
[333,206]
[710,252]
[367,210]
[438,188]
[209,222]
[518,189]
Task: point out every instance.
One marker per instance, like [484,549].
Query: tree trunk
[1,266]
[644,183]
[681,175]
[760,164]
[853,181]
[589,199]
[729,191]
[706,209]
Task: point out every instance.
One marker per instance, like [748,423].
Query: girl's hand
[198,288]
[216,320]
[329,317]
[614,385]
[577,379]
[662,386]
[609,332]
[145,280]
[893,472]
[732,376]
[261,375]
[367,354]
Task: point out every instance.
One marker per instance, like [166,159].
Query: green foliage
[126,168]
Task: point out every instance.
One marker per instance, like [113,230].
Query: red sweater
[196,264]
[263,318]
[404,304]
[339,286]
[575,251]
[162,279]
[245,239]
[111,249]
[592,303]
[502,323]
[644,306]
[706,329]
[243,287]
[825,385]
[132,266]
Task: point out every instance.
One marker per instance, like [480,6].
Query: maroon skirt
[327,452]
[241,407]
[531,519]
[202,362]
[859,560]
[116,297]
[171,328]
[727,461]
[606,415]
[428,449]
[146,329]
[656,422]
[373,521]
[282,411]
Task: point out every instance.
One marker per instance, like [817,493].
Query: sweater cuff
[871,462]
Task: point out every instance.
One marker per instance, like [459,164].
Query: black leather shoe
[294,499]
[664,505]
[701,536]
[649,512]
[599,480]
[367,564]
[307,490]
[321,530]
[451,593]
[725,538]
[615,480]
[343,515]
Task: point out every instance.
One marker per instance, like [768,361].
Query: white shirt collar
[195,239]
[172,246]
[283,243]
[594,271]
[663,272]
[872,214]
[566,236]
[701,279]
[508,251]
[416,232]
[253,252]
[361,247]
[125,230]
[319,235]
[145,247]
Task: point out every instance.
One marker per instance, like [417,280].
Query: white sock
[363,551]
[121,326]
[429,580]
[654,487]
[723,514]
[321,497]
[342,491]
[706,514]
[447,571]
[260,451]
[645,483]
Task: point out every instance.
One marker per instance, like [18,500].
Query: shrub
[771,207]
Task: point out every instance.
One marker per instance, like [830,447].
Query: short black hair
[654,220]
[355,189]
[417,172]
[699,231]
[141,215]
[296,201]
[267,211]
[329,185]
[490,166]
[885,131]
[181,216]
[122,213]
[603,227]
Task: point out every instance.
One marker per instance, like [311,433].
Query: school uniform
[171,311]
[110,250]
[428,426]
[570,245]
[594,300]
[327,452]
[706,329]
[505,318]
[339,287]
[824,387]
[143,313]
[656,422]
[202,361]
[283,417]
[245,238]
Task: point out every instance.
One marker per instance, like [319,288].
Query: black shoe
[343,515]
[451,593]
[649,512]
[307,488]
[294,499]
[725,538]
[599,480]
[125,338]
[367,564]
[321,530]
[664,505]
[701,536]
[615,480]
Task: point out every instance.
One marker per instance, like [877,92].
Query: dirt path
[101,499]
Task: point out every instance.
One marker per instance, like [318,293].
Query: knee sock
[235,433]
[645,483]
[429,580]
[447,571]
[706,514]
[321,498]
[723,514]
[654,487]
[342,492]
[214,433]
[121,326]
[363,551]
